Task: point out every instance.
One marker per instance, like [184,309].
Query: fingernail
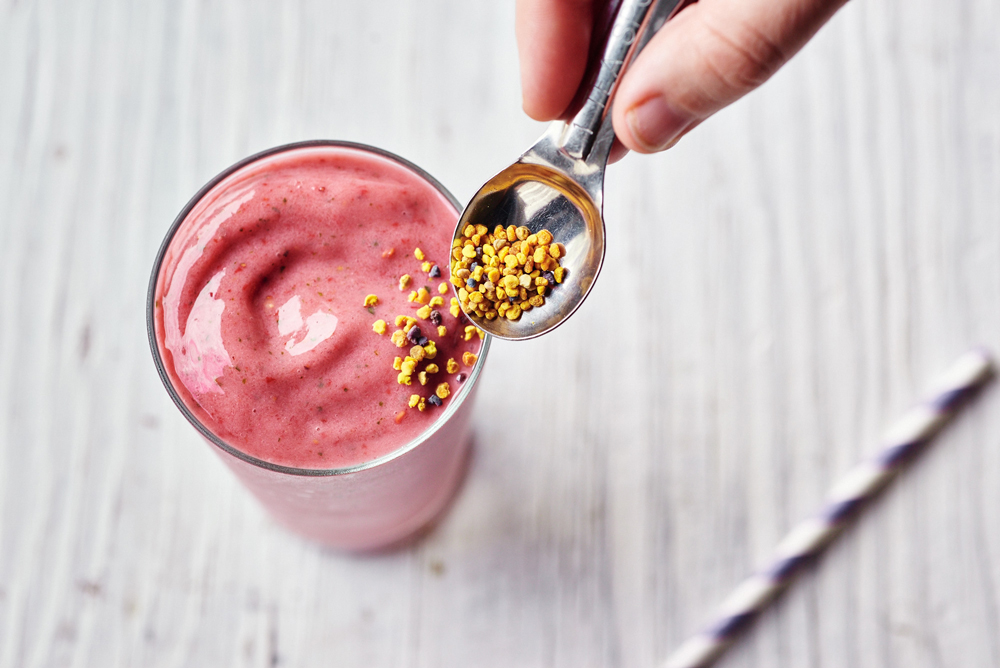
[655,125]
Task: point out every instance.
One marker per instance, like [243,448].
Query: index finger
[553,38]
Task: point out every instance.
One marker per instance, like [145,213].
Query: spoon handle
[634,24]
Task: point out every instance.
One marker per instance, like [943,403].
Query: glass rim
[453,405]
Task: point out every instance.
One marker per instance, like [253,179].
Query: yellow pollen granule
[443,288]
[422,377]
[426,267]
[468,359]
[422,405]
[451,366]
[409,366]
[399,338]
[371,300]
[397,363]
[414,400]
[379,326]
[400,320]
[431,368]
[442,330]
[403,378]
[412,297]
[423,296]
[443,390]
[424,312]
[404,281]
[430,350]
[455,310]
[417,253]
[436,301]
[417,353]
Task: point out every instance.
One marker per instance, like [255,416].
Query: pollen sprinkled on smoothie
[468,359]
[423,349]
[419,254]
[371,300]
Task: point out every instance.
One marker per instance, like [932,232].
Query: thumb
[710,55]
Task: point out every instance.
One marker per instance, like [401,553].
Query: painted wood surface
[777,288]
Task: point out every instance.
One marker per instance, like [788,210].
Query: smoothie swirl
[260,311]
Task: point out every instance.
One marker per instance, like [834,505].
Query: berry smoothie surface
[260,312]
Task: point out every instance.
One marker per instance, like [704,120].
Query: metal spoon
[558,184]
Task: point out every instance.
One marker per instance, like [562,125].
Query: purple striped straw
[865,480]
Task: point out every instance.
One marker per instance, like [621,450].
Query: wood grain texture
[777,287]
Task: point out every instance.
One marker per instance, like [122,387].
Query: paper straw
[861,483]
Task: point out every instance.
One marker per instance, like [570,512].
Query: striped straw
[864,481]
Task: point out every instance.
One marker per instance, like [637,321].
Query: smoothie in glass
[284,303]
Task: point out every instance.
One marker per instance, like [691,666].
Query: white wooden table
[777,288]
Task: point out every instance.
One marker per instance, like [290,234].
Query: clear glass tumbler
[366,506]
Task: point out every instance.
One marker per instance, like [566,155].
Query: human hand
[708,56]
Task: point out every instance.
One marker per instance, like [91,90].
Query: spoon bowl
[558,184]
[539,197]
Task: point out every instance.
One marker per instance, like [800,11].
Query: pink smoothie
[260,317]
